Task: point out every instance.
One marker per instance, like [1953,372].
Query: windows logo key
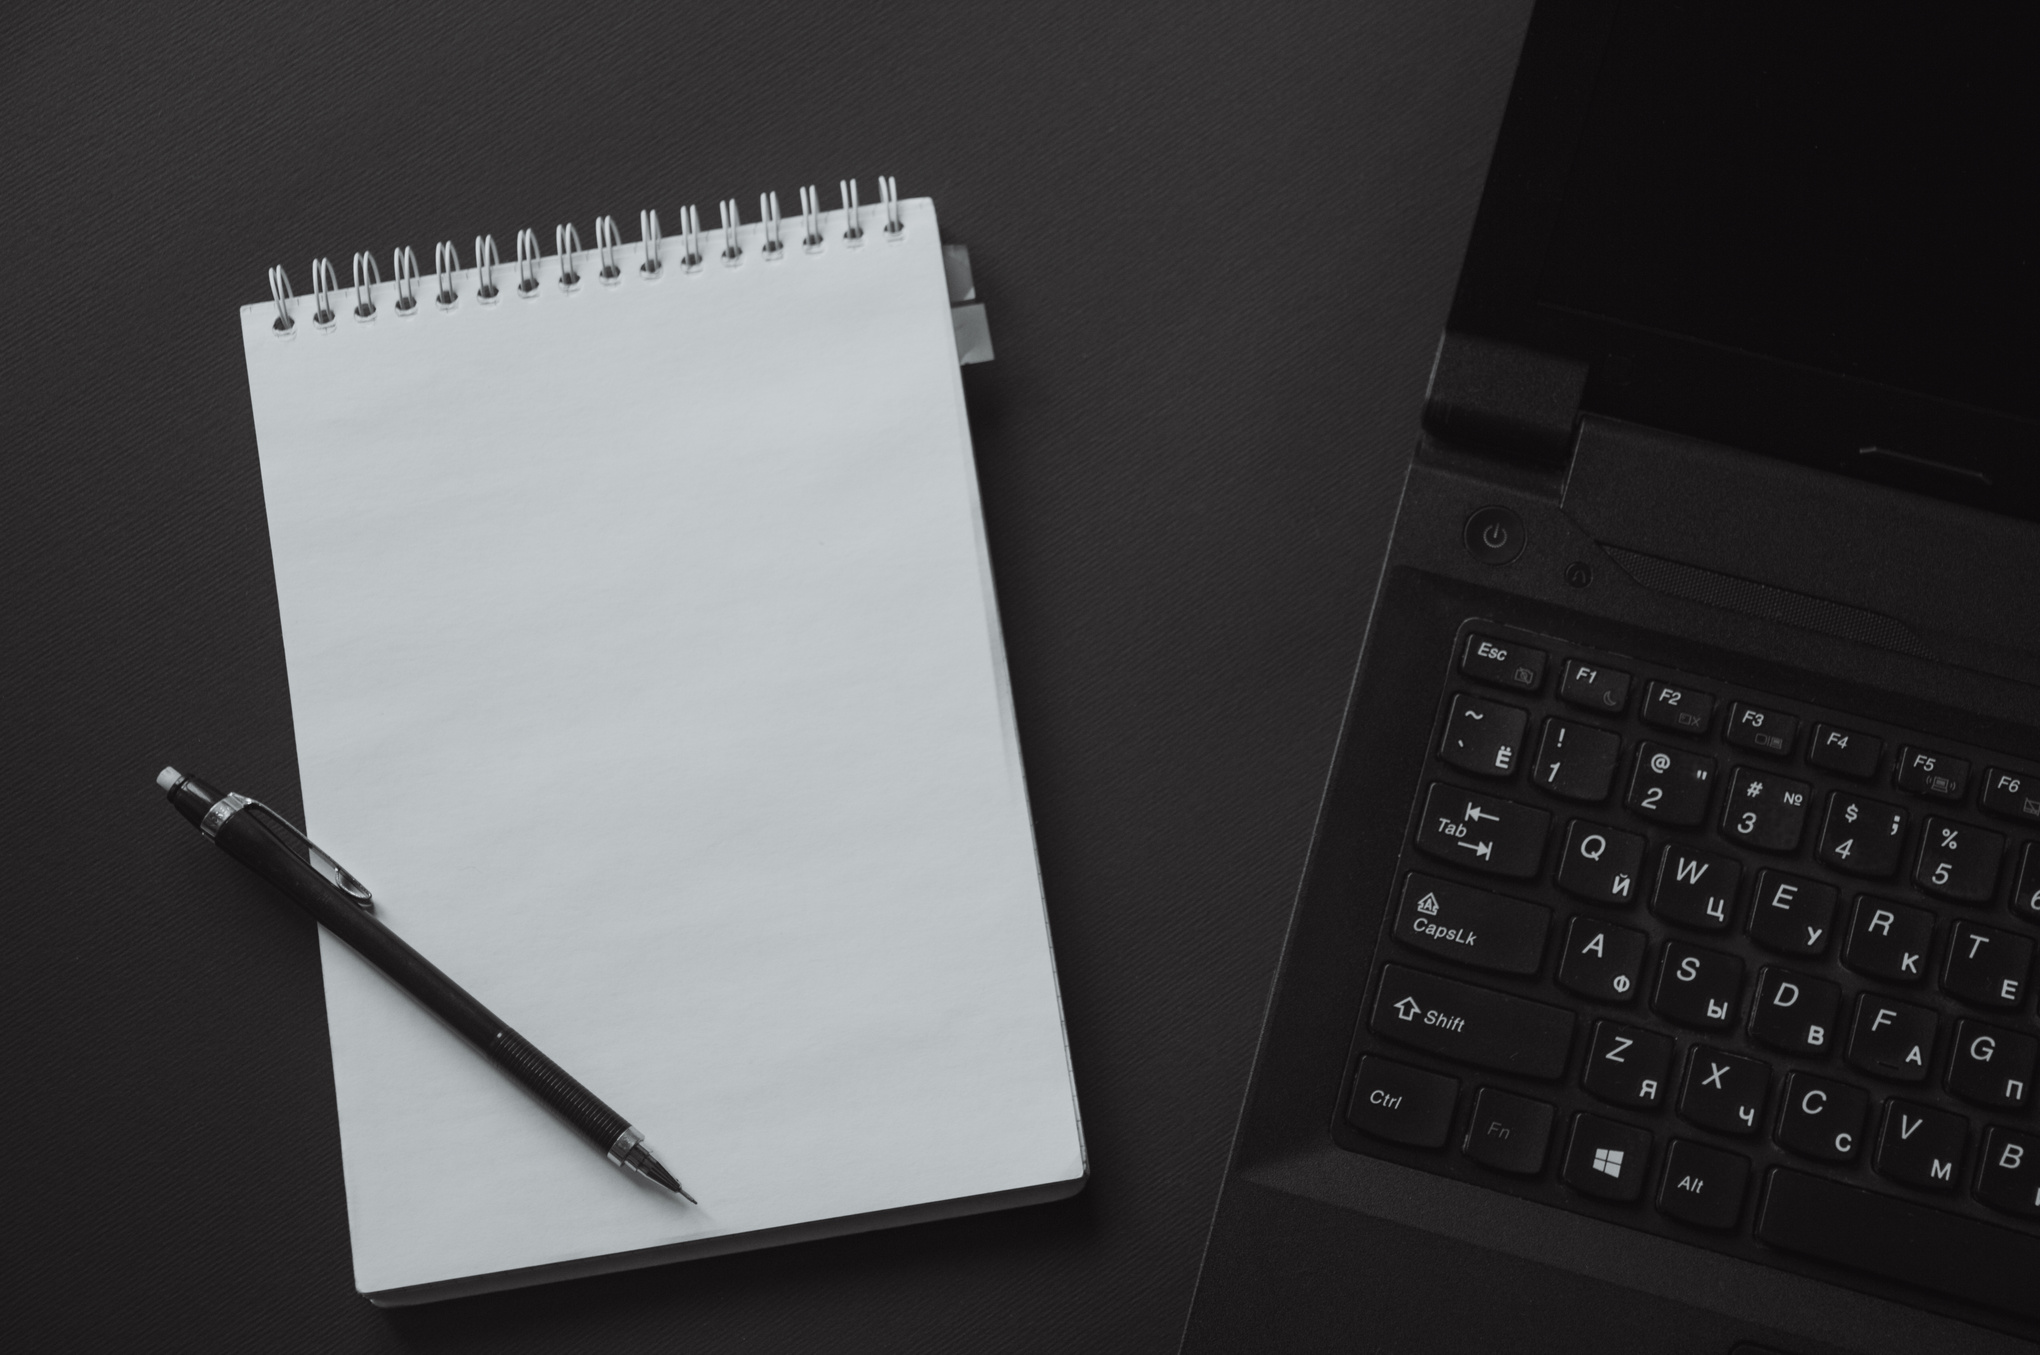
[1608,1160]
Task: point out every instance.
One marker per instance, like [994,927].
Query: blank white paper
[644,662]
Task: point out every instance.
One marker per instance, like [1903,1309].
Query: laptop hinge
[1503,400]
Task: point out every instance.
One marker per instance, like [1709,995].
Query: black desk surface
[1217,243]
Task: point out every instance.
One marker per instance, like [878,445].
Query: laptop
[1662,972]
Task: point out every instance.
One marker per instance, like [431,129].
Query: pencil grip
[575,1104]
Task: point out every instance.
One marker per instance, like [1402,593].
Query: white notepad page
[645,663]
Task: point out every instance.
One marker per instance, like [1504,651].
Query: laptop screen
[1843,187]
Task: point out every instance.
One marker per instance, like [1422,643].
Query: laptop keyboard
[1717,964]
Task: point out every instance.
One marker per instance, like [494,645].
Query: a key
[1669,786]
[1986,966]
[1862,837]
[1473,1025]
[1723,1091]
[1601,961]
[1890,1038]
[2009,1179]
[2026,891]
[1503,662]
[1821,1118]
[1600,863]
[1627,1065]
[1764,811]
[1403,1104]
[1766,731]
[1696,888]
[1990,1066]
[1576,761]
[1482,832]
[1920,1146]
[1835,749]
[1508,1132]
[1922,771]
[1791,915]
[1695,987]
[1472,926]
[1606,1158]
[1703,1186]
[1889,940]
[1595,687]
[1795,1012]
[1958,861]
[2011,795]
[1483,737]
[1679,708]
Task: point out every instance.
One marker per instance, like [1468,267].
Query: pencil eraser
[168,778]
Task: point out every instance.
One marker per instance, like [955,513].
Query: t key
[1482,832]
[1986,966]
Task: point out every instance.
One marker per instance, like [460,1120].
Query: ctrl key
[1605,1158]
[1402,1104]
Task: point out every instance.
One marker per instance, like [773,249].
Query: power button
[1494,535]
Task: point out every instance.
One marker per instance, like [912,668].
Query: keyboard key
[2026,891]
[1602,961]
[1723,1091]
[1835,749]
[1889,940]
[1627,1065]
[1403,1104]
[1670,787]
[1576,761]
[1703,1186]
[1483,832]
[1959,862]
[1600,863]
[1791,915]
[1503,663]
[1795,1012]
[1986,966]
[1922,771]
[1891,1039]
[1990,1066]
[1483,737]
[2009,1179]
[1472,926]
[1472,1025]
[1508,1132]
[1700,988]
[1765,811]
[1822,1118]
[1920,1146]
[1767,731]
[1901,1240]
[1595,687]
[1605,1158]
[2011,795]
[1677,708]
[1696,888]
[1862,837]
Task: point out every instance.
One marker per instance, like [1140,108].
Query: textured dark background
[1217,243]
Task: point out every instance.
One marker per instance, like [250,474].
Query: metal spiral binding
[566,244]
[487,260]
[768,212]
[279,291]
[648,232]
[527,263]
[889,194]
[324,284]
[853,233]
[445,262]
[733,253]
[690,240]
[404,267]
[366,275]
[811,220]
[607,241]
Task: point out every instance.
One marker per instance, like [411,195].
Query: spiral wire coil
[733,253]
[854,231]
[487,261]
[567,244]
[607,242]
[690,240]
[324,284]
[527,263]
[648,232]
[445,263]
[889,194]
[366,275]
[768,212]
[279,291]
[404,270]
[811,220]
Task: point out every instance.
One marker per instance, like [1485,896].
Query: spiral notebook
[644,661]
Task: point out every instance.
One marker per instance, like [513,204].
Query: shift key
[1482,832]
[1472,1025]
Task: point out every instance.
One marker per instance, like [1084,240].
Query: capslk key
[1483,832]
[1472,1025]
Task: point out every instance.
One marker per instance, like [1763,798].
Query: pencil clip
[233,802]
